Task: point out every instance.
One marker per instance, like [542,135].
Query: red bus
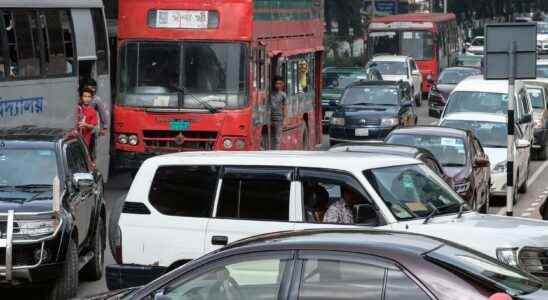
[431,39]
[196,75]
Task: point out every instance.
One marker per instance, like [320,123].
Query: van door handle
[220,240]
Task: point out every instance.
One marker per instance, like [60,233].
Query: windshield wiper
[434,212]
[32,186]
[203,103]
[362,103]
[453,165]
[461,209]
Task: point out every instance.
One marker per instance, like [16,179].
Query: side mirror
[481,163]
[522,144]
[83,181]
[332,103]
[526,119]
[365,214]
[467,45]
[429,79]
[416,72]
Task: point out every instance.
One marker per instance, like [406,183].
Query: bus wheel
[306,138]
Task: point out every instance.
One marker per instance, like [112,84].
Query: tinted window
[399,286]
[537,97]
[254,199]
[76,158]
[455,76]
[389,67]
[490,134]
[184,190]
[100,41]
[28,44]
[335,279]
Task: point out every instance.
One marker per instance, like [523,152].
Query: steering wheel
[227,289]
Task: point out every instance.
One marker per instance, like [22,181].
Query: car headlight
[508,256]
[537,123]
[35,228]
[337,121]
[462,188]
[530,259]
[122,139]
[133,140]
[390,122]
[500,167]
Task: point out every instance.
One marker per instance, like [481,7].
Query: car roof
[377,83]
[34,134]
[390,149]
[399,58]
[476,116]
[432,130]
[343,69]
[304,159]
[460,69]
[539,82]
[477,83]
[390,244]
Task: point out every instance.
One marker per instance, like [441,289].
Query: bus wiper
[205,104]
[434,212]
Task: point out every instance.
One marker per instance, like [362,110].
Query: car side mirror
[481,163]
[522,144]
[83,181]
[467,45]
[416,72]
[429,79]
[332,103]
[526,119]
[365,214]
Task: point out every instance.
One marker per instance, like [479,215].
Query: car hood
[541,294]
[496,155]
[331,94]
[394,77]
[484,233]
[445,89]
[26,201]
[370,111]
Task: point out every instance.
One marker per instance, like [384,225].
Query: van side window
[254,197]
[186,191]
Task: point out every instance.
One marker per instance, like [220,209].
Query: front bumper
[126,276]
[539,138]
[347,134]
[498,184]
[125,160]
[434,109]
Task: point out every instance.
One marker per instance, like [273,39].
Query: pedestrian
[278,100]
[99,106]
[87,120]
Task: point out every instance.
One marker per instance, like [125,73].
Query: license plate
[179,125]
[328,114]
[362,132]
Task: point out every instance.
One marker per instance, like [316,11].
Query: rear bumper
[125,276]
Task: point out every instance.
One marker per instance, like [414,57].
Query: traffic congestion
[273,149]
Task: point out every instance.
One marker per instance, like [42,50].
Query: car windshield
[413,191]
[478,41]
[154,74]
[455,76]
[490,134]
[484,268]
[537,97]
[389,67]
[416,44]
[449,151]
[469,61]
[542,71]
[370,95]
[483,102]
[340,80]
[542,28]
[16,163]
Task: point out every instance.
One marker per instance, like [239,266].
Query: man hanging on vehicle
[278,100]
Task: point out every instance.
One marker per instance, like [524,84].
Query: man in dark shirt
[277,111]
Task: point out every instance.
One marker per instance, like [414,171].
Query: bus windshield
[416,44]
[156,74]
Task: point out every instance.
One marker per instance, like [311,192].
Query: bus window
[67,40]
[416,44]
[26,31]
[101,43]
[52,29]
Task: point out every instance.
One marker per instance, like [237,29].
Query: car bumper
[539,140]
[126,276]
[434,110]
[124,160]
[498,184]
[24,276]
[347,134]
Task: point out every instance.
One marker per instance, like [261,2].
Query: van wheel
[66,285]
[94,268]
[541,155]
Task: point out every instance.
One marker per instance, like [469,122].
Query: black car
[338,264]
[447,81]
[369,110]
[400,150]
[52,213]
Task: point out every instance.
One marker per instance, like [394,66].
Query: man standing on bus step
[99,106]
[278,99]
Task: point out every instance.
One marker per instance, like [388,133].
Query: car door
[481,174]
[416,77]
[524,131]
[407,109]
[82,203]
[250,201]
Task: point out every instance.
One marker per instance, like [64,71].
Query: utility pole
[444,6]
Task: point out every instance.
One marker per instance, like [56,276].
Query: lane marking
[537,174]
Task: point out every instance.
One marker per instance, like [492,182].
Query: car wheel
[93,270]
[541,155]
[484,209]
[523,186]
[66,285]
[418,100]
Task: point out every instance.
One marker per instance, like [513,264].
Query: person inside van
[316,203]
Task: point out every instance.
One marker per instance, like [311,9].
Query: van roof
[312,159]
[477,83]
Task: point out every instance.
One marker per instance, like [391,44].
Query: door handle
[220,240]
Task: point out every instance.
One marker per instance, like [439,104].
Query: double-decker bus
[431,39]
[46,49]
[196,75]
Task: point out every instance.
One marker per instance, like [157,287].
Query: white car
[395,68]
[476,46]
[542,68]
[181,206]
[491,131]
[542,37]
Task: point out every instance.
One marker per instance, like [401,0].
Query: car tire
[541,155]
[523,187]
[93,270]
[66,285]
[484,209]
[418,100]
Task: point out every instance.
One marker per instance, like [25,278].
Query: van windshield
[465,101]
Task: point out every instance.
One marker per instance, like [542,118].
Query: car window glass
[448,150]
[247,199]
[470,101]
[335,279]
[537,97]
[184,190]
[524,103]
[27,63]
[399,286]
[432,165]
[76,158]
[258,278]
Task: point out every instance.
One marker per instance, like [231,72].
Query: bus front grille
[176,141]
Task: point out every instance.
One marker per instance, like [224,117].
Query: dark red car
[460,154]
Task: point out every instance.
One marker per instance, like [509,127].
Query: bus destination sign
[183,19]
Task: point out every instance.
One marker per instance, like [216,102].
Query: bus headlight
[122,139]
[240,144]
[227,143]
[133,140]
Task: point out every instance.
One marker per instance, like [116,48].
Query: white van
[181,206]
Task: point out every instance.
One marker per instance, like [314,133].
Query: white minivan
[181,206]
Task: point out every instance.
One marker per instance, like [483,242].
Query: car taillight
[117,246]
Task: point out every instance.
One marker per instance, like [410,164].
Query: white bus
[46,49]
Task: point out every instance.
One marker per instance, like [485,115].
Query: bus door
[93,63]
[261,96]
